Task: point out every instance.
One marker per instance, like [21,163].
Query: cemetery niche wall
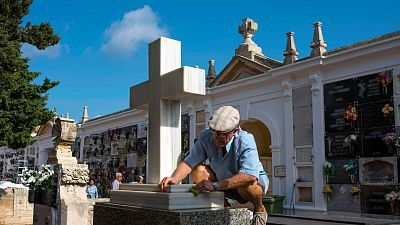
[360,143]
[116,150]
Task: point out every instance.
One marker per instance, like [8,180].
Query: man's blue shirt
[241,156]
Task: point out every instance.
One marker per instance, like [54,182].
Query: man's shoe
[259,218]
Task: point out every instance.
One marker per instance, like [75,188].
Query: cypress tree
[22,102]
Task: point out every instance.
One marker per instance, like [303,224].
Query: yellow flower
[327,189]
[387,109]
[354,189]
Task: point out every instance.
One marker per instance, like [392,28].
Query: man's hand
[164,183]
[205,185]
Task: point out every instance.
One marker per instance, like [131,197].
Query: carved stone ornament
[74,176]
[64,130]
[287,89]
[315,80]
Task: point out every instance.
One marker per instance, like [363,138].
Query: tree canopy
[22,102]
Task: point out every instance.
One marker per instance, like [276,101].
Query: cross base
[177,197]
[117,214]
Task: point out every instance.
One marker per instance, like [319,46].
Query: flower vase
[384,90]
[31,196]
[352,178]
[391,207]
[39,196]
[352,124]
[326,179]
[355,198]
[48,197]
[351,149]
[390,148]
[328,197]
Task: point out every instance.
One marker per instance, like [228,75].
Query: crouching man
[234,167]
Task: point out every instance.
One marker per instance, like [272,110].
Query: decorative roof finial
[248,48]
[85,115]
[290,53]
[318,45]
[211,71]
[67,115]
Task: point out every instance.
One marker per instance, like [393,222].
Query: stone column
[288,139]
[276,151]
[72,177]
[318,139]
[192,128]
[396,95]
[207,110]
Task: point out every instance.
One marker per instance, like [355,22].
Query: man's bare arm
[235,181]
[180,172]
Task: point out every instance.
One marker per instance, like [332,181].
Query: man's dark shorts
[234,194]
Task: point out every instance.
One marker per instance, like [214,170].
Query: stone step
[168,201]
[155,188]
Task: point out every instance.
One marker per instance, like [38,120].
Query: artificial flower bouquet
[350,114]
[387,110]
[391,138]
[351,140]
[355,190]
[328,169]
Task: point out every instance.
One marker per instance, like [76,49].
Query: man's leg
[202,172]
[253,193]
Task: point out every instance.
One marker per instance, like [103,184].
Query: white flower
[31,180]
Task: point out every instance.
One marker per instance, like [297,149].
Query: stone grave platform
[117,214]
[176,197]
[144,204]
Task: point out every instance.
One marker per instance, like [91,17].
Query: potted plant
[329,171]
[29,178]
[45,184]
[352,169]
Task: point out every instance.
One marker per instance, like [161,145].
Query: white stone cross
[168,85]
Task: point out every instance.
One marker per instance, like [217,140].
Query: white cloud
[50,52]
[136,27]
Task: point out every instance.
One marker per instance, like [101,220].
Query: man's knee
[251,191]
[202,172]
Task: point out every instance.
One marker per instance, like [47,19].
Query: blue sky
[103,47]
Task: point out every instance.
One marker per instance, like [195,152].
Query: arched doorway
[262,137]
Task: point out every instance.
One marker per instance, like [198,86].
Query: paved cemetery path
[289,220]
